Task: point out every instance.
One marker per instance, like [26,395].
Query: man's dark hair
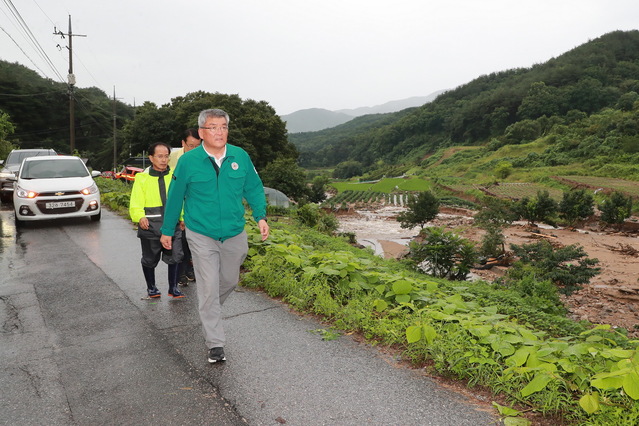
[191,131]
[156,144]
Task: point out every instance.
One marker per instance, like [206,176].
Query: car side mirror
[96,173]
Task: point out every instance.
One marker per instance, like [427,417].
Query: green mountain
[589,92]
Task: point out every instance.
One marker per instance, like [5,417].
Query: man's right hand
[167,241]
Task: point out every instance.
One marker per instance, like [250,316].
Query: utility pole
[71,82]
[115,129]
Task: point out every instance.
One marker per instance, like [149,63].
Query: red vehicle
[127,174]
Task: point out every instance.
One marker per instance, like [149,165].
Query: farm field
[626,186]
[517,191]
[386,185]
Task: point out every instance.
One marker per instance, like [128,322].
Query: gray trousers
[217,272]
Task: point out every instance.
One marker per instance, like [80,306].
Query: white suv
[55,187]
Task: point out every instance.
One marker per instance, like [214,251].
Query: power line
[30,37]
[22,50]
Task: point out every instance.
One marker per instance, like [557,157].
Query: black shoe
[190,276]
[176,293]
[183,281]
[216,355]
[153,292]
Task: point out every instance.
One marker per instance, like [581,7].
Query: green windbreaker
[213,204]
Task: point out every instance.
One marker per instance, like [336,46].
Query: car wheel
[19,223]
[5,199]
[97,217]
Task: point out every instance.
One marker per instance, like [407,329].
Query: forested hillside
[39,111]
[506,108]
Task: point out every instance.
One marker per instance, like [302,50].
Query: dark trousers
[186,267]
[152,251]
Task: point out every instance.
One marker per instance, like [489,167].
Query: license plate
[60,204]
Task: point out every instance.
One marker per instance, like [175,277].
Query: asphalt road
[81,345]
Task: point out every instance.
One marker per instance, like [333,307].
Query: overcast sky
[298,54]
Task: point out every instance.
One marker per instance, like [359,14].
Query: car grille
[78,205]
[57,194]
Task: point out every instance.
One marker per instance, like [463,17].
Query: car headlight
[25,193]
[90,190]
[6,175]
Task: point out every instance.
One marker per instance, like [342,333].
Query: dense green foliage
[39,109]
[6,129]
[254,125]
[285,175]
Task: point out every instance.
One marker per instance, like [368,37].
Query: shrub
[567,266]
[420,210]
[443,254]
[312,216]
[616,208]
[575,205]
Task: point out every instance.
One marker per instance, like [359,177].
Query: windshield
[50,169]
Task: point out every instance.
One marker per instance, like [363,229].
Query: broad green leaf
[567,366]
[614,382]
[532,360]
[380,305]
[413,333]
[506,411]
[631,385]
[491,310]
[519,357]
[617,353]
[431,286]
[294,260]
[481,360]
[538,383]
[527,334]
[328,271]
[402,287]
[429,333]
[457,300]
[380,288]
[590,402]
[450,308]
[402,298]
[512,338]
[548,366]
[480,331]
[442,316]
[545,351]
[516,421]
[595,328]
[504,348]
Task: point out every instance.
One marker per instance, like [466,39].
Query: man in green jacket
[209,184]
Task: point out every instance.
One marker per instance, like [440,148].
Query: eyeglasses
[215,129]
